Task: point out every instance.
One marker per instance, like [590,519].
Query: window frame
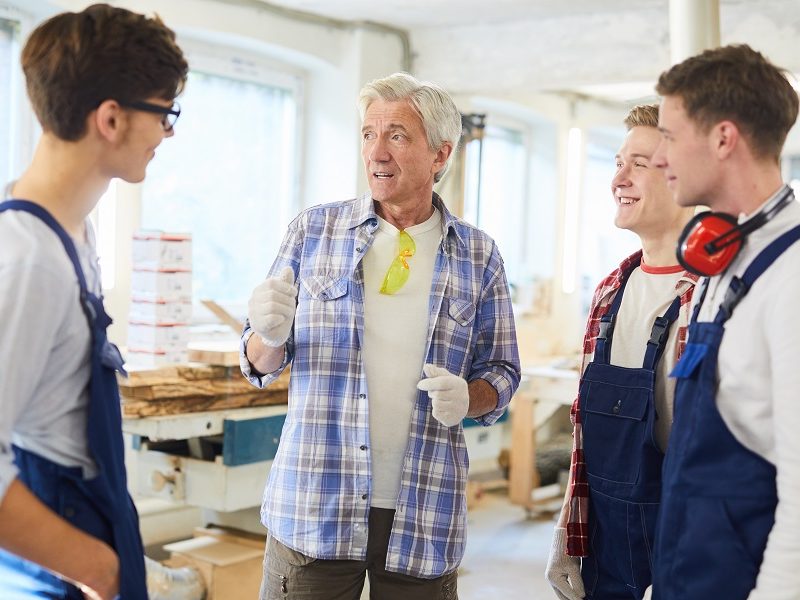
[23,126]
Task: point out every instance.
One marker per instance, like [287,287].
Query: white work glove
[272,306]
[449,394]
[165,583]
[564,571]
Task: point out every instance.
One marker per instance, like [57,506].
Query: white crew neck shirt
[394,346]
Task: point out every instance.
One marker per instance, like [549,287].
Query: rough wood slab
[188,381]
[206,388]
[137,408]
[177,373]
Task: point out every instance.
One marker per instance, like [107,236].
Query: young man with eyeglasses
[102,83]
[397,320]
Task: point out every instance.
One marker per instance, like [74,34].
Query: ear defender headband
[711,240]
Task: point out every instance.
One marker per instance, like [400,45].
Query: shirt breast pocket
[323,309]
[461,311]
[455,332]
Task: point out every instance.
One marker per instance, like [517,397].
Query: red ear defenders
[711,240]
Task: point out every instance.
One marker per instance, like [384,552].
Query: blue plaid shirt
[317,497]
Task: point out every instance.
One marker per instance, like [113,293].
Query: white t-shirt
[758,392]
[394,346]
[648,294]
[44,345]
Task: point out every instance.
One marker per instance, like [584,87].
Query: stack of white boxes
[161,298]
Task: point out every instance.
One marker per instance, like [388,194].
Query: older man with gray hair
[397,319]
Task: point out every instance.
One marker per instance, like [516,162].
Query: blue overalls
[719,499]
[100,506]
[623,461]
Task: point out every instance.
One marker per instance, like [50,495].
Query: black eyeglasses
[169,114]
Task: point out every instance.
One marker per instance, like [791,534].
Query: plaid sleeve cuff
[504,391]
[260,381]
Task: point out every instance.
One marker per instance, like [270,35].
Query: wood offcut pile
[194,387]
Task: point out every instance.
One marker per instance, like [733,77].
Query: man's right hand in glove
[271,308]
[564,571]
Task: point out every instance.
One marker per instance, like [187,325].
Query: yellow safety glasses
[397,275]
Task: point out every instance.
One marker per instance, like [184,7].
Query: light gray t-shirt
[44,345]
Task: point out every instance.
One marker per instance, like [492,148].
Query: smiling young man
[623,412]
[102,84]
[397,319]
[731,500]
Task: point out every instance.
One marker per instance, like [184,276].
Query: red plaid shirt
[577,501]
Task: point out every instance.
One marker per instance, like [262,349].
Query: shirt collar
[684,283]
[364,211]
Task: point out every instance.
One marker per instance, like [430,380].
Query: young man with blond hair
[623,413]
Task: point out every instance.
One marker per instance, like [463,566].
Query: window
[104,218]
[509,193]
[791,169]
[228,176]
[9,82]
[495,192]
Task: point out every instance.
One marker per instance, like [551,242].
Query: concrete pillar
[693,27]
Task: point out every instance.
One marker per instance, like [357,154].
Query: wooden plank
[145,408]
[522,476]
[176,374]
[221,381]
[183,389]
[215,353]
[224,316]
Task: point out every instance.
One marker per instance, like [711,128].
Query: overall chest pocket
[615,425]
[323,309]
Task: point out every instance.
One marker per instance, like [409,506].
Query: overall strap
[659,335]
[602,347]
[703,289]
[40,212]
[738,287]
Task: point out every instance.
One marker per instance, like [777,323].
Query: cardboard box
[162,312]
[231,570]
[161,285]
[144,358]
[155,250]
[157,338]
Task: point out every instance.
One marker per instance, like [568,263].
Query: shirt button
[363,447]
[362,396]
[363,496]
[359,249]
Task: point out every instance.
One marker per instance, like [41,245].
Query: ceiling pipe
[693,27]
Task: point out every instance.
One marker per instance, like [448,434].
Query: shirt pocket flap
[462,311]
[325,287]
[624,404]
